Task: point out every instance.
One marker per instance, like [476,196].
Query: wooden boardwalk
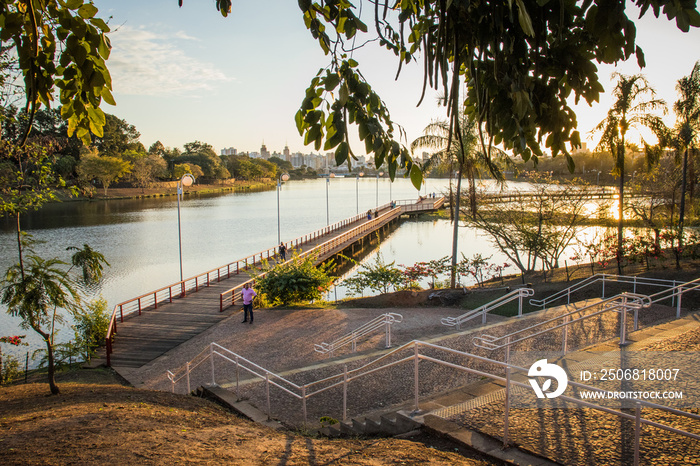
[146,327]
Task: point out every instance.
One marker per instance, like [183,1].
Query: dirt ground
[103,421]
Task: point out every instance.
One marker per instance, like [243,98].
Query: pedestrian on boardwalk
[247,293]
[369,215]
[282,251]
[376,213]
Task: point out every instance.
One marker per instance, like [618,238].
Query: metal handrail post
[565,334]
[507,355]
[678,303]
[238,392]
[303,402]
[506,419]
[211,357]
[267,393]
[637,431]
[520,305]
[345,391]
[623,321]
[602,294]
[415,376]
[387,327]
[189,389]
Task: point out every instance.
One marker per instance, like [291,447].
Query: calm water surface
[139,238]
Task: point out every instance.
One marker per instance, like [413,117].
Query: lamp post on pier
[282,177]
[378,175]
[357,191]
[186,180]
[328,209]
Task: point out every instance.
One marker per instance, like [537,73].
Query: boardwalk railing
[180,289]
[518,294]
[415,352]
[383,321]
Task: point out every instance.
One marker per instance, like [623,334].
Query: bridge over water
[147,326]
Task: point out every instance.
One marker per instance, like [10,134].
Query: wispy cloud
[147,62]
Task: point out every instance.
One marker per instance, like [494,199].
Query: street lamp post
[328,210]
[186,180]
[283,177]
[378,175]
[357,191]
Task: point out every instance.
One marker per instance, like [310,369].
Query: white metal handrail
[383,321]
[414,348]
[602,277]
[622,303]
[675,294]
[518,294]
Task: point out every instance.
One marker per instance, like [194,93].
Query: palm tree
[628,111]
[458,144]
[36,290]
[687,110]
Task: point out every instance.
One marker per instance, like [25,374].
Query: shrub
[295,281]
[91,328]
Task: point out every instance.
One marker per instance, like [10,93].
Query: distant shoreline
[167,189]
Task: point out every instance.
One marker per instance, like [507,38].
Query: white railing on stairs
[621,303]
[383,321]
[440,355]
[518,294]
[603,278]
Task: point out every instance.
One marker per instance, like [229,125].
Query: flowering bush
[9,367]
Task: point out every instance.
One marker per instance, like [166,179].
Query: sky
[186,74]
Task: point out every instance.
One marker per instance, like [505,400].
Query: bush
[377,276]
[91,328]
[295,281]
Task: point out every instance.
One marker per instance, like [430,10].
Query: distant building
[287,155]
[264,153]
[229,151]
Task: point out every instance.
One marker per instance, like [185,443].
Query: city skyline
[186,74]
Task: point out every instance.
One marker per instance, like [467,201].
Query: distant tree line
[119,157]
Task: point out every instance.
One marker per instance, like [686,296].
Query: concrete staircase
[385,425]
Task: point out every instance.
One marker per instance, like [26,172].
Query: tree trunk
[681,212]
[455,232]
[19,247]
[621,188]
[50,365]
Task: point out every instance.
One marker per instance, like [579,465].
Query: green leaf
[87,11]
[73,4]
[416,176]
[107,96]
[341,153]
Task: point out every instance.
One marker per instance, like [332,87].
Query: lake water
[139,238]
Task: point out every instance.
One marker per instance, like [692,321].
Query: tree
[537,224]
[522,59]
[628,111]
[377,276]
[61,48]
[203,155]
[459,144]
[118,137]
[106,170]
[38,294]
[145,168]
[27,181]
[684,138]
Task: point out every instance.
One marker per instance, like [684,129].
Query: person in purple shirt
[247,293]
